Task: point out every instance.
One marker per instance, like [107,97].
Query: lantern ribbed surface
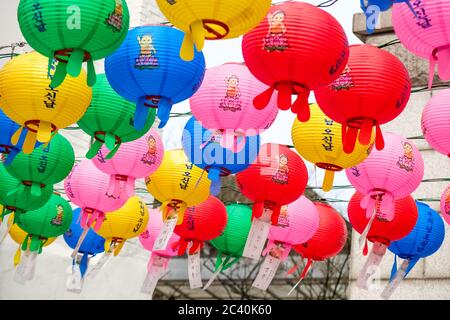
[277,177]
[149,236]
[19,236]
[436,122]
[373,89]
[225,100]
[330,237]
[445,204]
[28,99]
[296,48]
[383,231]
[426,35]
[111,118]
[319,141]
[147,70]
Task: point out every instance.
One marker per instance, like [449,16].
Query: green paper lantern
[21,200]
[109,119]
[50,221]
[232,242]
[46,165]
[74,31]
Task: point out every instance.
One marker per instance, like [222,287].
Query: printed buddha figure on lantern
[58,220]
[283,220]
[406,161]
[115,19]
[276,39]
[231,101]
[147,56]
[447,203]
[282,174]
[150,157]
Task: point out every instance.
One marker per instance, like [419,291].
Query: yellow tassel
[119,247]
[328,181]
[16,136]
[187,48]
[44,133]
[198,34]
[17,257]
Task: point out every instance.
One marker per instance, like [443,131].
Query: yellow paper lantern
[27,98]
[212,19]
[319,141]
[125,223]
[178,184]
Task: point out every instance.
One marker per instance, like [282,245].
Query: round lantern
[232,241]
[46,165]
[436,121]
[296,49]
[110,119]
[123,224]
[135,159]
[50,221]
[74,32]
[392,173]
[28,99]
[178,184]
[87,187]
[327,242]
[205,149]
[224,102]
[203,222]
[7,130]
[445,204]
[426,34]
[372,8]
[373,89]
[147,70]
[21,199]
[214,20]
[319,141]
[277,177]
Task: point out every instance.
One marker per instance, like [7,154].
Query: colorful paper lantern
[136,159]
[436,121]
[28,99]
[425,34]
[214,20]
[372,9]
[74,32]
[178,184]
[276,178]
[110,119]
[319,141]
[392,173]
[203,149]
[445,204]
[125,223]
[298,48]
[373,89]
[147,70]
[87,187]
[202,222]
[46,165]
[232,241]
[224,103]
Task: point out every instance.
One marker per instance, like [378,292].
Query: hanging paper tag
[194,270]
[370,268]
[20,273]
[164,235]
[157,271]
[75,281]
[101,263]
[363,237]
[4,230]
[267,272]
[392,286]
[79,243]
[257,236]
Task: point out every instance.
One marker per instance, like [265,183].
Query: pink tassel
[387,206]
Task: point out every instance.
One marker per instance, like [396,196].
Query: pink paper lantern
[388,174]
[436,122]
[297,223]
[134,160]
[87,188]
[445,205]
[427,34]
[224,102]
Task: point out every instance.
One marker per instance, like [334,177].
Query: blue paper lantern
[424,240]
[147,69]
[7,130]
[203,148]
[372,9]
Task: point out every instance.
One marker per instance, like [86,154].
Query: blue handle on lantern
[141,114]
[216,184]
[164,108]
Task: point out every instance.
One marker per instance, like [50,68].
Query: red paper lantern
[327,242]
[203,222]
[297,48]
[373,89]
[384,231]
[277,177]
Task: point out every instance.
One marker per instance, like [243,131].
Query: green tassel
[228,264]
[13,191]
[75,62]
[36,189]
[25,243]
[113,151]
[93,150]
[218,261]
[110,141]
[60,75]
[91,76]
[35,244]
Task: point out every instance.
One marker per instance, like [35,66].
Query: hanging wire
[327,3]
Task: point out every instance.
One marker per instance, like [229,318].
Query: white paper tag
[156,272]
[194,270]
[393,285]
[257,236]
[100,264]
[75,281]
[20,274]
[79,243]
[266,272]
[165,234]
[370,268]
[363,237]
[4,230]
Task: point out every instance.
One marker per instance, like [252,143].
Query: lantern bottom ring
[329,166]
[174,203]
[213,34]
[121,177]
[223,171]
[6,148]
[381,240]
[375,193]
[33,125]
[296,87]
[30,183]
[356,123]
[64,54]
[154,99]
[100,136]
